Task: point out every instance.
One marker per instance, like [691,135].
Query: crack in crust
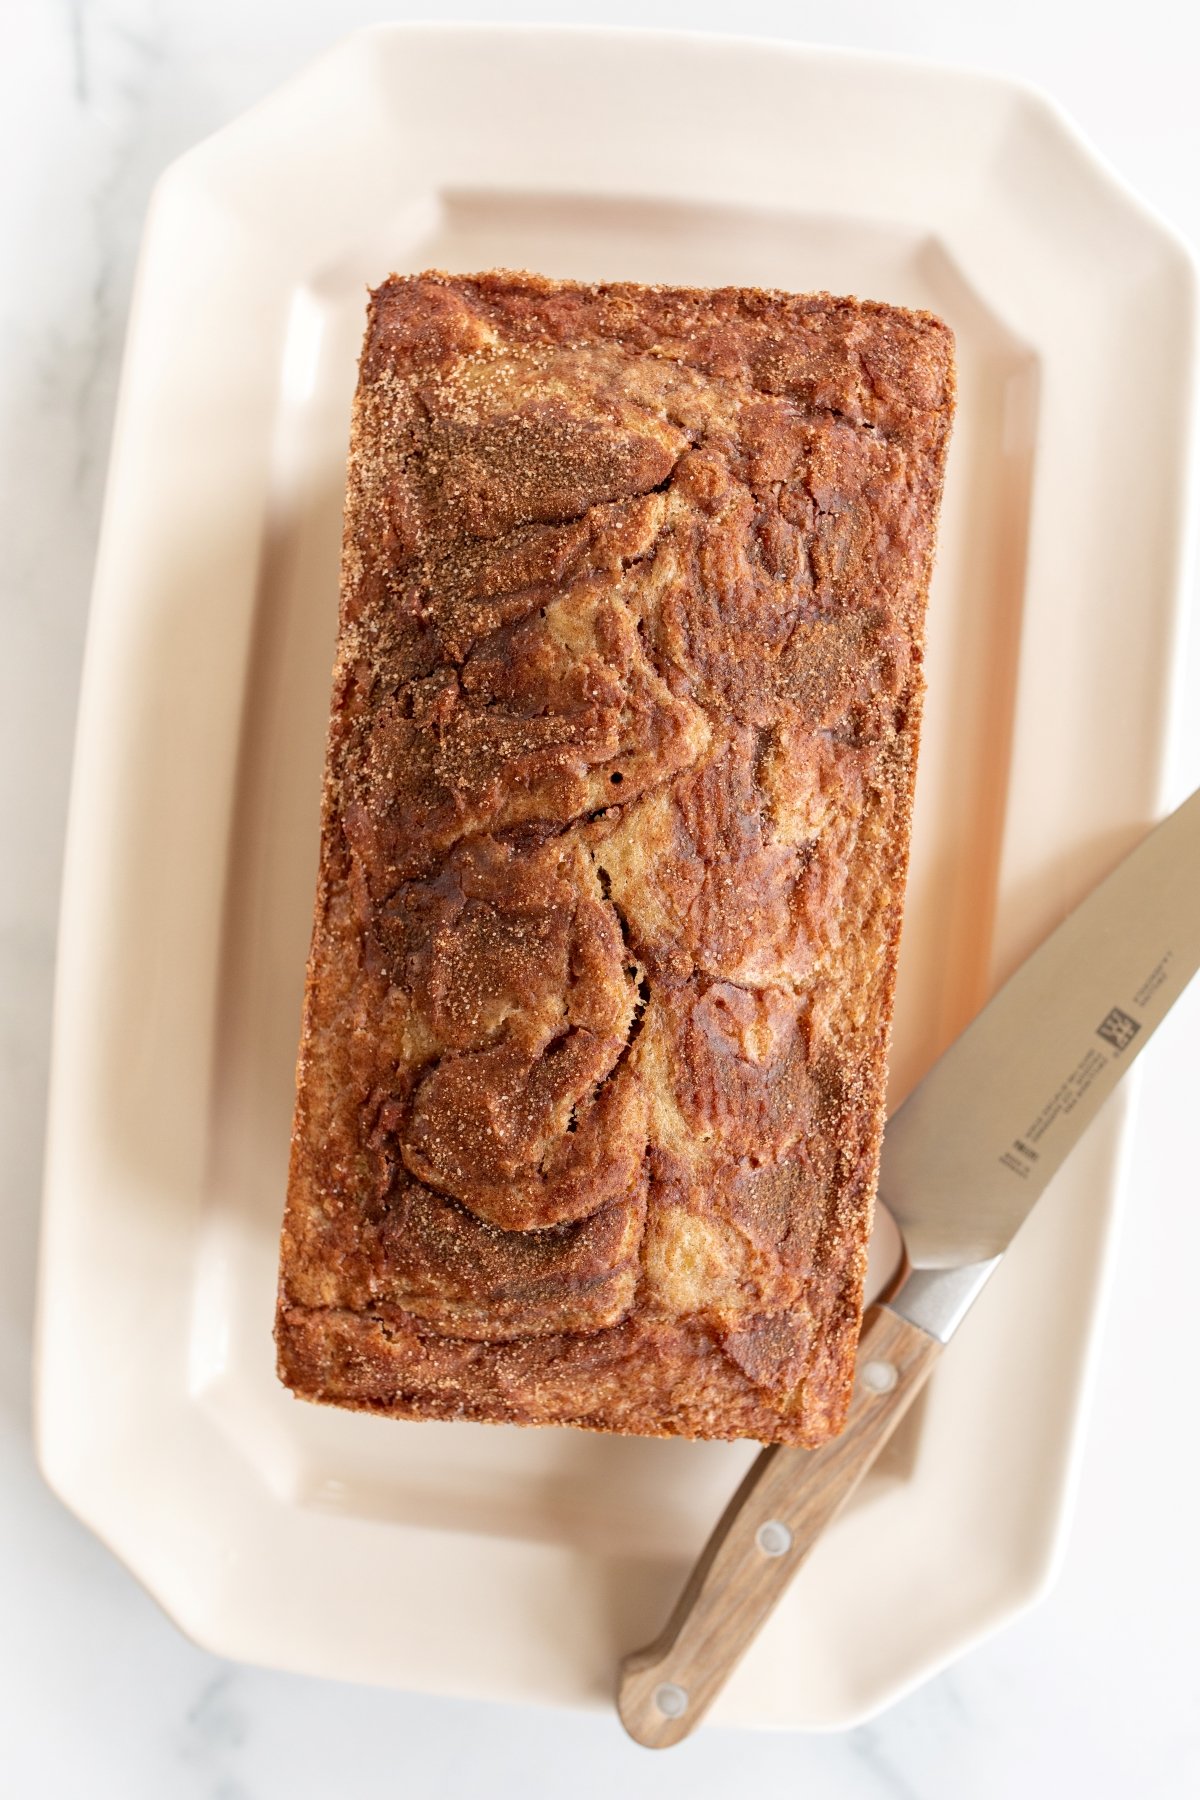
[614,840]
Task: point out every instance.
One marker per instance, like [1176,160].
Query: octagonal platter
[489,1561]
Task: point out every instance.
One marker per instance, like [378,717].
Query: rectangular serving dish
[493,1561]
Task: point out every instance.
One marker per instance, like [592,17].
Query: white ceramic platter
[491,1561]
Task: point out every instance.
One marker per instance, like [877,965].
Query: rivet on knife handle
[763,1537]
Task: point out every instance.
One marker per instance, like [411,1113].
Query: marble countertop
[1096,1692]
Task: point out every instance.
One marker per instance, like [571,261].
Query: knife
[964,1160]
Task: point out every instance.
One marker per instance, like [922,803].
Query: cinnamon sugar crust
[615,829]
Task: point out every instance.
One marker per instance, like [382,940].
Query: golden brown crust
[616,821]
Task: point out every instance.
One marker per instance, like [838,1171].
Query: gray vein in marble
[867,1745]
[114,65]
[79,56]
[216,1722]
[216,1729]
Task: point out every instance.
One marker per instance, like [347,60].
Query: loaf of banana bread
[615,830]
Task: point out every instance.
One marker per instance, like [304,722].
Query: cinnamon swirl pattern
[616,821]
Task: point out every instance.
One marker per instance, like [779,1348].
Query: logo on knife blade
[1118,1029]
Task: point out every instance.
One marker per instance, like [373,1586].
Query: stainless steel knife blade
[974,1146]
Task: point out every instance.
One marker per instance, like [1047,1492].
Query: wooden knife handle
[764,1534]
